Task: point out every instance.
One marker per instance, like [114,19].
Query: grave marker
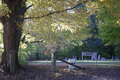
[103,59]
[112,58]
[65,59]
[73,62]
[117,58]
[75,57]
[99,57]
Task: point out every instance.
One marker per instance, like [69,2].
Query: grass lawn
[79,62]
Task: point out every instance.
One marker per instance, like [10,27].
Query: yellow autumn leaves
[4,10]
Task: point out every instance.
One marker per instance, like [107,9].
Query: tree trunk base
[6,68]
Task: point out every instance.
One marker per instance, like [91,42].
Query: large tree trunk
[12,33]
[11,40]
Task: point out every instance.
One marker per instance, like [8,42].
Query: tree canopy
[108,14]
[49,20]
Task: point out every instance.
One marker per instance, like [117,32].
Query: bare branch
[70,64]
[57,11]
[54,15]
[28,7]
[23,39]
[33,42]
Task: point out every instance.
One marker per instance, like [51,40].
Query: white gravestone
[93,58]
[103,59]
[75,57]
[99,57]
[65,59]
[46,60]
[112,58]
[73,62]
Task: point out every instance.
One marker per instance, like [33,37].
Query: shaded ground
[43,72]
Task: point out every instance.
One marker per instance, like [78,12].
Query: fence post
[53,62]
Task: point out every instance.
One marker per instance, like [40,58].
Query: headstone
[75,57]
[117,58]
[93,58]
[79,58]
[65,59]
[71,61]
[112,58]
[103,59]
[99,57]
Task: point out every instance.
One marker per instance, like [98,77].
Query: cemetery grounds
[41,70]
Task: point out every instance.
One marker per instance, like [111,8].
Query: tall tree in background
[109,22]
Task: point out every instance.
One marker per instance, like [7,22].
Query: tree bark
[12,33]
[11,40]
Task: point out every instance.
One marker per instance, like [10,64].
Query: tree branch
[33,42]
[57,11]
[23,39]
[28,7]
[70,64]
